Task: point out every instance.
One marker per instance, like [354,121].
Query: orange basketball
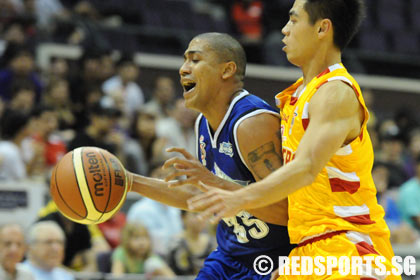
[89,185]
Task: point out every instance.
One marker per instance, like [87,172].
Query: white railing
[21,201]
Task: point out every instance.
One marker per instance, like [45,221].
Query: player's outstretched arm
[189,171]
[158,190]
[335,119]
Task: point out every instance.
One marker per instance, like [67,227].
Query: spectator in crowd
[23,97]
[413,152]
[406,122]
[14,129]
[18,31]
[46,252]
[391,152]
[7,10]
[409,198]
[247,18]
[386,197]
[2,108]
[111,229]
[92,97]
[44,148]
[123,88]
[163,96]
[162,221]
[20,67]
[108,67]
[44,11]
[102,120]
[191,247]
[86,10]
[57,96]
[145,148]
[77,241]
[14,33]
[88,76]
[83,242]
[58,69]
[12,251]
[135,255]
[178,129]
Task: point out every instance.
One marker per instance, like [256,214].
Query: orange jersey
[343,195]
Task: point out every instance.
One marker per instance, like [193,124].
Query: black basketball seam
[110,185]
[61,196]
[87,184]
[78,186]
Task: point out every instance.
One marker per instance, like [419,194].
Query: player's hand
[130,178]
[215,203]
[275,274]
[192,169]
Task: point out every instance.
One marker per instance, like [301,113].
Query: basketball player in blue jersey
[237,142]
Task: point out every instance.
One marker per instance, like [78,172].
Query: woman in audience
[134,255]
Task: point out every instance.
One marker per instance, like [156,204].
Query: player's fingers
[179,173]
[173,162]
[188,181]
[182,151]
[202,187]
[209,213]
[202,201]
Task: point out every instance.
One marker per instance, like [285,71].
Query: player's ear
[229,70]
[324,27]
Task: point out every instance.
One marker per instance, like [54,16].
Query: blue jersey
[242,237]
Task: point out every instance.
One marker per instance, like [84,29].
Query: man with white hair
[46,252]
[12,250]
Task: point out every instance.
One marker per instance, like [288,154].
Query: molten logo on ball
[89,185]
[118,173]
[97,176]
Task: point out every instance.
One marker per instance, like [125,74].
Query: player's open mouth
[188,86]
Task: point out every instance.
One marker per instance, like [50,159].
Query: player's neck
[217,111]
[321,61]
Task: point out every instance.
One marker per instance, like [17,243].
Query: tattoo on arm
[264,160]
[278,134]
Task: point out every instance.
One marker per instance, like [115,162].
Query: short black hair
[21,84]
[345,15]
[104,110]
[125,59]
[40,109]
[227,48]
[13,122]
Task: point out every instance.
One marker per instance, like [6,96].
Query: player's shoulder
[335,96]
[260,120]
[336,91]
[258,127]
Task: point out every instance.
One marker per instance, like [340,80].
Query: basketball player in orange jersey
[237,140]
[327,150]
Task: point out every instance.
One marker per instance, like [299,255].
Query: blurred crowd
[99,100]
[94,101]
